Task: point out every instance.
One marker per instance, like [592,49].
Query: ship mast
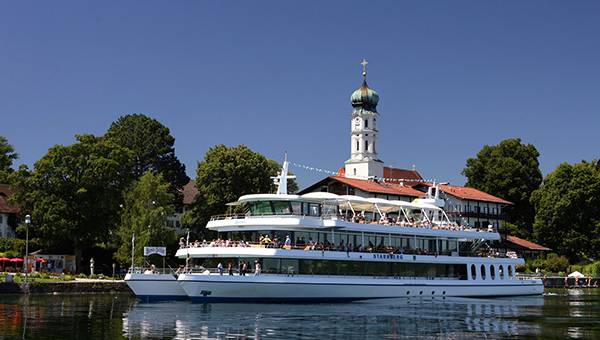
[281,179]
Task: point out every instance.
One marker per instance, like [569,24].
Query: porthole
[421,293]
[444,293]
[473,272]
[483,272]
[432,292]
[407,292]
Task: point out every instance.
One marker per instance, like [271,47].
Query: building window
[357,145]
[1,219]
[354,171]
[374,147]
[366,123]
[366,146]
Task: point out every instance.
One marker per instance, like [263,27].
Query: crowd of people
[266,241]
[413,223]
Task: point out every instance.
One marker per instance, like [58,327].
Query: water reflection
[558,314]
[450,318]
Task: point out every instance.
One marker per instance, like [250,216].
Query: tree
[7,156]
[73,194]
[147,204]
[224,175]
[568,211]
[152,146]
[509,170]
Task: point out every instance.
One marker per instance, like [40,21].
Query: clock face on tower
[357,122]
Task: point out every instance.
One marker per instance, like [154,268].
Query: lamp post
[27,223]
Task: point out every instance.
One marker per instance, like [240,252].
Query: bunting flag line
[334,173]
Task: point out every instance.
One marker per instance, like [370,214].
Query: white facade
[5,229]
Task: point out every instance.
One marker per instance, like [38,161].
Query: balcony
[480,215]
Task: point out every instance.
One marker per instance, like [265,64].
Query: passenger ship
[322,247]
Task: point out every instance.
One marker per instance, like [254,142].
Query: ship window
[510,271]
[501,272]
[473,272]
[297,208]
[261,208]
[313,209]
[281,207]
[492,272]
[482,272]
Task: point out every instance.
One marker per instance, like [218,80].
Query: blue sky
[275,75]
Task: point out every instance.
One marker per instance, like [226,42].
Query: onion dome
[364,98]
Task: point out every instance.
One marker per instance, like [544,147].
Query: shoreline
[83,286]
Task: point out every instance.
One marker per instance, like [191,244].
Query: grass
[52,278]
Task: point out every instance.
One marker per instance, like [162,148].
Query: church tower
[364,162]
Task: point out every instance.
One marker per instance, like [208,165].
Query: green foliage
[12,247]
[551,264]
[225,174]
[148,203]
[590,269]
[509,170]
[74,192]
[568,211]
[152,146]
[7,156]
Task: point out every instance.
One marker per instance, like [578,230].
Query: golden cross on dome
[364,63]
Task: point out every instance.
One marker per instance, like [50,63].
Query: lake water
[558,314]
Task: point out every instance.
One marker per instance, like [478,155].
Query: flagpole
[132,251]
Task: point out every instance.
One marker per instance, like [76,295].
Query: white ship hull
[278,288]
[155,287]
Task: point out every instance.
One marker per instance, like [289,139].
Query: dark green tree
[568,211]
[152,146]
[7,156]
[509,170]
[147,204]
[225,174]
[73,194]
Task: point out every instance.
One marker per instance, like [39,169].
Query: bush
[12,247]
[555,263]
[551,264]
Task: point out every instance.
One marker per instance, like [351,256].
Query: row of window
[477,209]
[353,240]
[493,275]
[350,268]
[366,146]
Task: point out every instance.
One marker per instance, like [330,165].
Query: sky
[277,76]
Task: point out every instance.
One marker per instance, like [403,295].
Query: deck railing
[388,223]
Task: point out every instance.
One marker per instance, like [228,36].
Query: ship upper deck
[326,211]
